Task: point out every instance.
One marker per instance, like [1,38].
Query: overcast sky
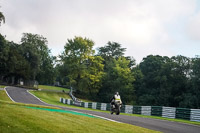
[144,27]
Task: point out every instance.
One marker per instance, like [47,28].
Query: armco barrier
[156,110]
[195,115]
[183,113]
[128,109]
[103,106]
[167,112]
[146,110]
[137,109]
[98,106]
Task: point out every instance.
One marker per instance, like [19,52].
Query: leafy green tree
[4,50]
[75,58]
[81,68]
[36,52]
[111,50]
[92,79]
[2,18]
[191,98]
[118,78]
[16,63]
[138,83]
[180,79]
[196,81]
[13,66]
[124,79]
[164,82]
[149,90]
[118,75]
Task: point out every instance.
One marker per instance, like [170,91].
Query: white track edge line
[105,118]
[97,116]
[8,95]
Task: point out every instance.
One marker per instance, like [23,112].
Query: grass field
[15,117]
[52,88]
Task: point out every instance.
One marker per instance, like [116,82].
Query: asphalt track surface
[22,95]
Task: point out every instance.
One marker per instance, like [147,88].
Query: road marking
[9,95]
[105,118]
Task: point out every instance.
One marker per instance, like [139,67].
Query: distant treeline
[157,80]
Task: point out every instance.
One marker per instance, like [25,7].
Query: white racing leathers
[118,99]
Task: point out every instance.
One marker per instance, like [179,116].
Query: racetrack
[22,95]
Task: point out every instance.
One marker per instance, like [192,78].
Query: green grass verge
[16,118]
[52,88]
[54,98]
[46,87]
[50,97]
[4,96]
[2,86]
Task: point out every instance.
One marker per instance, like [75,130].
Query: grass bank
[46,87]
[50,97]
[17,118]
[4,96]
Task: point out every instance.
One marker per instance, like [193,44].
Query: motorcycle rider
[116,98]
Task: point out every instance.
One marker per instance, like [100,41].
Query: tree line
[28,61]
[98,74]
[156,80]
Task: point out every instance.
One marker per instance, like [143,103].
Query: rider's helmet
[116,93]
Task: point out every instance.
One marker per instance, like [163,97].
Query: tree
[75,56]
[191,98]
[2,18]
[36,52]
[138,83]
[13,65]
[82,69]
[118,78]
[118,75]
[124,79]
[17,66]
[164,82]
[149,90]
[94,74]
[112,49]
[179,79]
[4,50]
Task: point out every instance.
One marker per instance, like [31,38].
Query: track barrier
[167,112]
